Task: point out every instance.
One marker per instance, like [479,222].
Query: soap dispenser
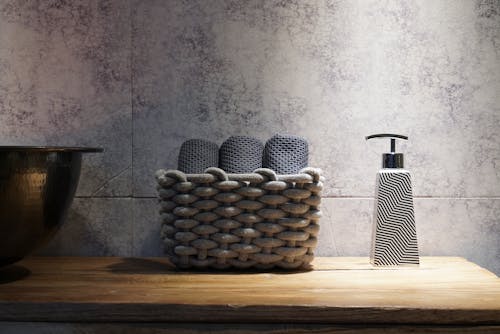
[394,240]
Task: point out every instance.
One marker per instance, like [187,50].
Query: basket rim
[213,174]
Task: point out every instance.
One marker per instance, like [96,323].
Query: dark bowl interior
[37,186]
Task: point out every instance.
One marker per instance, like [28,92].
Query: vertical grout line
[131,65]
[131,62]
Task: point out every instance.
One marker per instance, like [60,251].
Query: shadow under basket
[236,221]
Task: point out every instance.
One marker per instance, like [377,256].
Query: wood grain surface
[442,291]
[180,328]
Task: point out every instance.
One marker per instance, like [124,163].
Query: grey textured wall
[140,77]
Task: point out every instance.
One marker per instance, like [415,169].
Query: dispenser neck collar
[392,159]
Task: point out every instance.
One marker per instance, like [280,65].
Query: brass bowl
[37,186]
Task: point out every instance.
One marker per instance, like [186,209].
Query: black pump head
[392,159]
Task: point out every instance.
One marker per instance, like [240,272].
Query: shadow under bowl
[37,186]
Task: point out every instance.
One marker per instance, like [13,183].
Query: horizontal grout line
[444,197]
[120,197]
[419,197]
[329,197]
[110,197]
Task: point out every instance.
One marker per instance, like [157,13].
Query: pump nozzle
[392,159]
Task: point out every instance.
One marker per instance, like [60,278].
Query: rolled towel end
[286,154]
[196,155]
[241,154]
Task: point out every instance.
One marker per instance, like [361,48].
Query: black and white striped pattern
[395,235]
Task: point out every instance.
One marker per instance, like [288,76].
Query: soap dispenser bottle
[394,240]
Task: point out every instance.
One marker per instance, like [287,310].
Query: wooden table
[146,295]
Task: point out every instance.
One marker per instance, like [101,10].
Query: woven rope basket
[259,220]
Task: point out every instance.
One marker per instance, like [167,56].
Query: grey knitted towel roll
[286,154]
[240,154]
[196,155]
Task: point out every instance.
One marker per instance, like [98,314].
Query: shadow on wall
[98,225]
[82,234]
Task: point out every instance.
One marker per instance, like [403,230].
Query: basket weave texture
[258,220]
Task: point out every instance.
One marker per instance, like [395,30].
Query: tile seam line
[131,62]
[419,197]
[326,197]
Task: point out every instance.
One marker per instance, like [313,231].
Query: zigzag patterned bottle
[394,236]
[394,232]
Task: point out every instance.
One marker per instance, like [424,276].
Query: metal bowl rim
[51,149]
